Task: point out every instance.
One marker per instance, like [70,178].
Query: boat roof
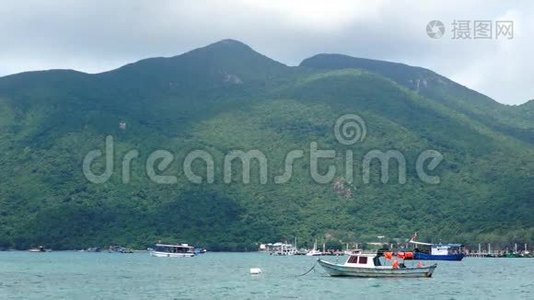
[174,246]
[364,254]
[279,244]
[420,243]
[431,244]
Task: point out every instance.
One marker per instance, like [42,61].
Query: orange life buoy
[388,255]
[408,255]
[395,264]
[400,255]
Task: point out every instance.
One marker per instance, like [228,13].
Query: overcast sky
[95,36]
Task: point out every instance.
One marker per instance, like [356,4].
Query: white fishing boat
[373,265]
[170,250]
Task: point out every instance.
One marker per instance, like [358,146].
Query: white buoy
[255,271]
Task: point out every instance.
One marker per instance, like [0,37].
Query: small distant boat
[39,249]
[199,251]
[93,249]
[351,251]
[169,250]
[373,265]
[119,249]
[36,250]
[429,251]
[314,251]
[280,249]
[348,251]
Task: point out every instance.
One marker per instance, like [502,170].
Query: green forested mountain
[226,97]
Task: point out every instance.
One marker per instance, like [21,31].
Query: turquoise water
[76,275]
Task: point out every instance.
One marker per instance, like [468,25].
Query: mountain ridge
[233,45]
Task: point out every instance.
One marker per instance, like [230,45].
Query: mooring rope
[311,269]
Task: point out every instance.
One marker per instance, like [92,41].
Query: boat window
[363,260]
[353,259]
[376,261]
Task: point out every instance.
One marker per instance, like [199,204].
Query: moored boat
[280,249]
[374,265]
[36,250]
[119,249]
[170,250]
[39,249]
[314,251]
[429,251]
[199,251]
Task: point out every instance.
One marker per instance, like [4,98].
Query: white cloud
[322,16]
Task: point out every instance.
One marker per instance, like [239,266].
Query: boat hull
[167,254]
[342,270]
[451,257]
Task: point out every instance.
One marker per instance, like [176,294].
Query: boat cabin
[169,248]
[438,249]
[364,260]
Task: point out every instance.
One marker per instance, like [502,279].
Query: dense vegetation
[227,97]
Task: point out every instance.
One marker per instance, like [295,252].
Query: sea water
[82,275]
